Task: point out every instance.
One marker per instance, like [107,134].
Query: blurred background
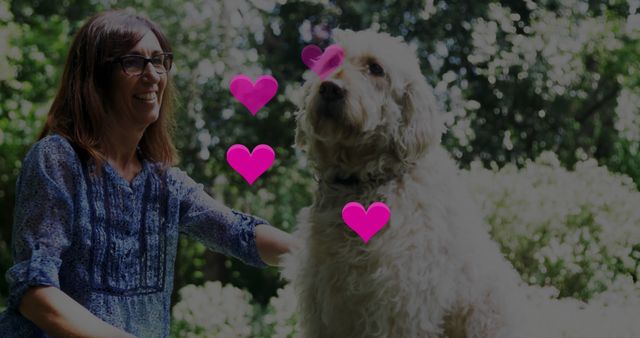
[541,100]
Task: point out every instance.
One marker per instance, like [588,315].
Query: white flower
[216,310]
[566,224]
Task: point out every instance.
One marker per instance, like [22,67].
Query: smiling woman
[135,96]
[100,204]
[95,103]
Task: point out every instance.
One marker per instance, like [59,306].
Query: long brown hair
[78,111]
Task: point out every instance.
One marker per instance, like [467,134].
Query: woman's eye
[376,69]
[133,62]
[157,61]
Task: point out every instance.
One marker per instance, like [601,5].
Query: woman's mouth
[147,97]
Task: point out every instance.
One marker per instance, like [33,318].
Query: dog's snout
[331,91]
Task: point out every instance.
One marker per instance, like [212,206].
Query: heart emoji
[366,223]
[250,165]
[253,96]
[321,63]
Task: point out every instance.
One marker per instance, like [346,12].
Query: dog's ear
[299,97]
[337,34]
[300,137]
[422,124]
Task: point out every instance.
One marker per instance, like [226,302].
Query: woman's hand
[272,243]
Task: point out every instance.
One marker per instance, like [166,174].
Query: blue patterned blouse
[110,244]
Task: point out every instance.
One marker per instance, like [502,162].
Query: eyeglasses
[134,65]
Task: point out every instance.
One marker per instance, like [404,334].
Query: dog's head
[376,108]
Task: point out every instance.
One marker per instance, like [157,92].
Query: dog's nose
[331,91]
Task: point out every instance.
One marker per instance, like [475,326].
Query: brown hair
[78,109]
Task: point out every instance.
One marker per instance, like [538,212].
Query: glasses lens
[158,62]
[133,65]
[166,61]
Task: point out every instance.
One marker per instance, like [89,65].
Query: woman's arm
[273,242]
[59,315]
[224,230]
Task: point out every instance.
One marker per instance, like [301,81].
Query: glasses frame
[120,60]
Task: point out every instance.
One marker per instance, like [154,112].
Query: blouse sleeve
[43,216]
[218,227]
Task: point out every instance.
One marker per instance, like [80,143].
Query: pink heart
[325,63]
[253,96]
[250,165]
[366,223]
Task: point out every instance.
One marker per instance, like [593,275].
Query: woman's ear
[421,125]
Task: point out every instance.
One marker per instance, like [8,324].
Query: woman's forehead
[147,45]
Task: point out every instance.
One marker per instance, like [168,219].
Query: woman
[98,205]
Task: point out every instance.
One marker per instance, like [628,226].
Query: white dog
[372,133]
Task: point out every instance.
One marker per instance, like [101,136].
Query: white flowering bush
[280,319]
[578,231]
[213,310]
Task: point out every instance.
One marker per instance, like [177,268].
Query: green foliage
[30,55]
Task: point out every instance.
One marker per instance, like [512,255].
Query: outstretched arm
[225,230]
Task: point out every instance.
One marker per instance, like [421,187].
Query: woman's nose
[149,73]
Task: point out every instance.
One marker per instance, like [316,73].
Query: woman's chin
[148,119]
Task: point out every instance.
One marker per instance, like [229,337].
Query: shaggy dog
[372,133]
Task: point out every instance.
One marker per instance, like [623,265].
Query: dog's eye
[376,69]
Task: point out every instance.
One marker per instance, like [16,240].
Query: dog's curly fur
[433,271]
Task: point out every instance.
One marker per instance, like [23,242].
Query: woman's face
[135,99]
